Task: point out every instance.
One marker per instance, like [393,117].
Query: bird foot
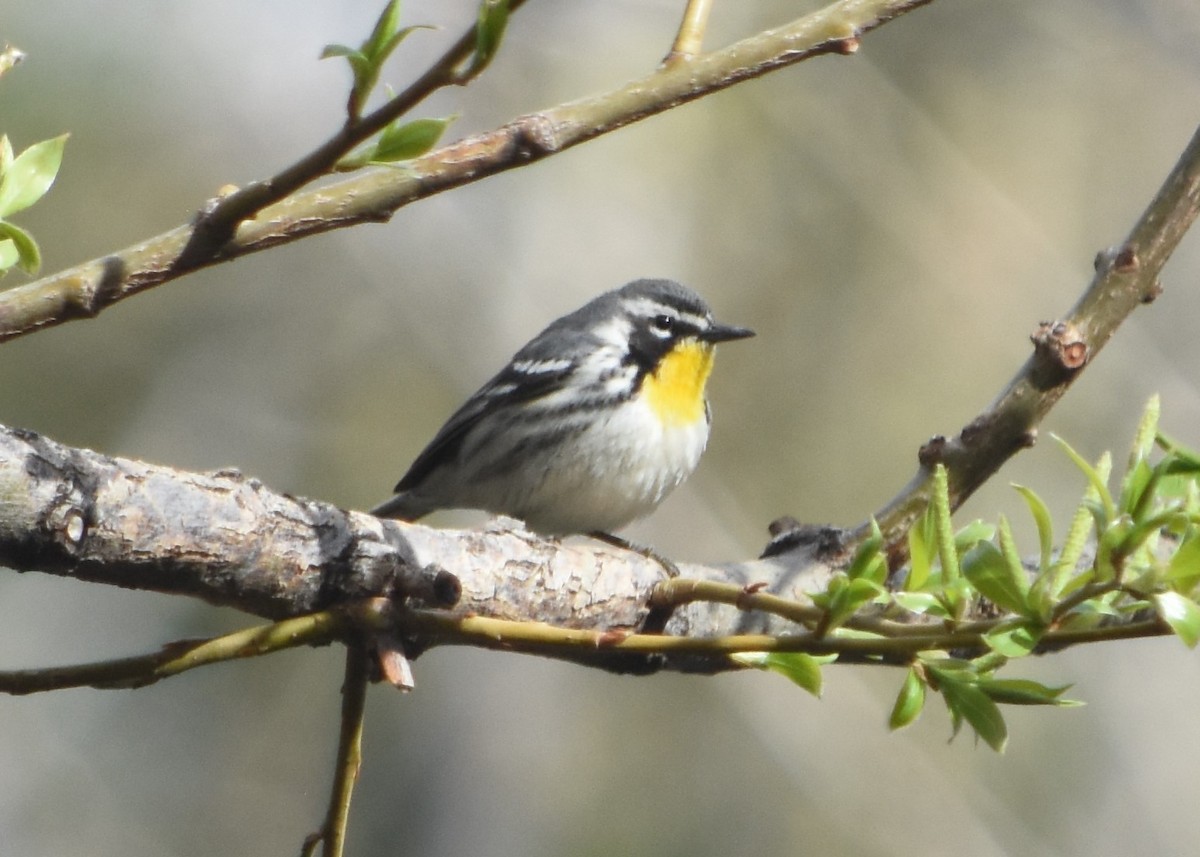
[671,569]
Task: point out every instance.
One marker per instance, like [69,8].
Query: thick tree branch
[374,196]
[231,541]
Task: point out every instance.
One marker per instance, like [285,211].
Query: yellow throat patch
[675,389]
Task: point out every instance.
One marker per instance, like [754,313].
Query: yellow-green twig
[1125,279]
[690,38]
[178,657]
[246,202]
[539,638]
[349,756]
[679,591]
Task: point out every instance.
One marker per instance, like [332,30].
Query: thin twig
[849,645]
[690,38]
[679,591]
[316,629]
[217,225]
[1081,595]
[332,834]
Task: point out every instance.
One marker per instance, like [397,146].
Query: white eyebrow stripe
[646,307]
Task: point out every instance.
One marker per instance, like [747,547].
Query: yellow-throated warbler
[589,426]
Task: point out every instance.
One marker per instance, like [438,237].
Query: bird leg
[667,565]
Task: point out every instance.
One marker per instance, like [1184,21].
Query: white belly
[615,472]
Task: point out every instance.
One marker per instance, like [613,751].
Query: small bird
[589,426]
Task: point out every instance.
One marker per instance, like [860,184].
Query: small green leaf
[869,561]
[1185,455]
[397,37]
[1020,691]
[1145,531]
[403,142]
[360,69]
[28,256]
[1109,556]
[909,701]
[1013,640]
[343,51]
[921,603]
[1137,484]
[1164,485]
[801,668]
[972,534]
[1183,461]
[940,666]
[1041,517]
[845,596]
[1082,618]
[30,175]
[1183,571]
[967,702]
[489,32]
[375,47]
[1179,484]
[399,142]
[1182,614]
[366,61]
[8,256]
[988,663]
[854,634]
[6,154]
[1094,479]
[920,552]
[989,571]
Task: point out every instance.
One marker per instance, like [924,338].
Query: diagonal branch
[217,225]
[374,196]
[1126,277]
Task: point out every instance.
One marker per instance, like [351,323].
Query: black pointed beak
[725,333]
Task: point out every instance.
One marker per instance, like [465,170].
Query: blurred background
[893,224]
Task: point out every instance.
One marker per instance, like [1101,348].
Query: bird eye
[663,323]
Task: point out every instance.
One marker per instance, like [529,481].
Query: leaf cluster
[1124,556]
[366,61]
[404,140]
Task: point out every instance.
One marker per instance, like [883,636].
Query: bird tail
[402,507]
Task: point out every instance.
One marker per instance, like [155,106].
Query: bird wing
[528,376]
